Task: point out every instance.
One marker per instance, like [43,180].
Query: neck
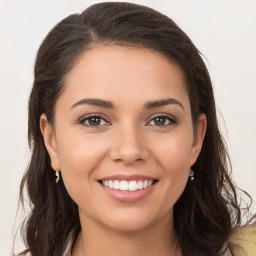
[96,239]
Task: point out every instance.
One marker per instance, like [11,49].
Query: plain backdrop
[224,31]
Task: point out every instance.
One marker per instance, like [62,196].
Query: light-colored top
[70,243]
[68,249]
[245,248]
[242,242]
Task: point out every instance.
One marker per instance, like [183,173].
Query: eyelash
[85,118]
[82,121]
[171,120]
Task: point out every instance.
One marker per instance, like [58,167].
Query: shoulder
[243,240]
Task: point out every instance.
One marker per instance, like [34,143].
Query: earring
[191,175]
[58,177]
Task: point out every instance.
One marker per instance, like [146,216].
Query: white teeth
[116,184]
[127,185]
[133,185]
[110,184]
[145,184]
[140,184]
[123,185]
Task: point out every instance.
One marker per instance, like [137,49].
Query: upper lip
[128,177]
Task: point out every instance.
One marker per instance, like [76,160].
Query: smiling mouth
[124,185]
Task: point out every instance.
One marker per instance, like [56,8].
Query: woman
[127,157]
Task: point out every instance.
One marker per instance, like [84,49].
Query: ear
[50,142]
[198,138]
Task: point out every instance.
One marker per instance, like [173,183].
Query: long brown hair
[208,208]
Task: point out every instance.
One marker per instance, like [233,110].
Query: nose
[128,146]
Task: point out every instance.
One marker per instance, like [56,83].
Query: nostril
[129,153]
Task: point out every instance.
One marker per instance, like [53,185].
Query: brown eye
[162,121]
[93,121]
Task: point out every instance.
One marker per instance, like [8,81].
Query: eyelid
[81,120]
[171,118]
[85,117]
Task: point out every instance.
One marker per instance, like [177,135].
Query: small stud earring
[58,177]
[191,175]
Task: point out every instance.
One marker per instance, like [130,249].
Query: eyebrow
[163,102]
[110,105]
[94,102]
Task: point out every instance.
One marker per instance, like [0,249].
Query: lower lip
[129,196]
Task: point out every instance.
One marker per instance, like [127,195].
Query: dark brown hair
[208,208]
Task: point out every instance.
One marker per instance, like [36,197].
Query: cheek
[79,157]
[79,152]
[174,157]
[174,154]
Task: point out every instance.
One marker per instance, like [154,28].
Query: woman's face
[122,122]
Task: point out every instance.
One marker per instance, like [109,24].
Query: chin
[131,220]
[128,225]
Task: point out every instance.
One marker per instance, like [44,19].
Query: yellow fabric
[243,240]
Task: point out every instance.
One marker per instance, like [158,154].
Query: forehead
[124,72]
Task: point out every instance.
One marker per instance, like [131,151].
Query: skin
[128,140]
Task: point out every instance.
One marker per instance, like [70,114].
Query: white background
[224,31]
